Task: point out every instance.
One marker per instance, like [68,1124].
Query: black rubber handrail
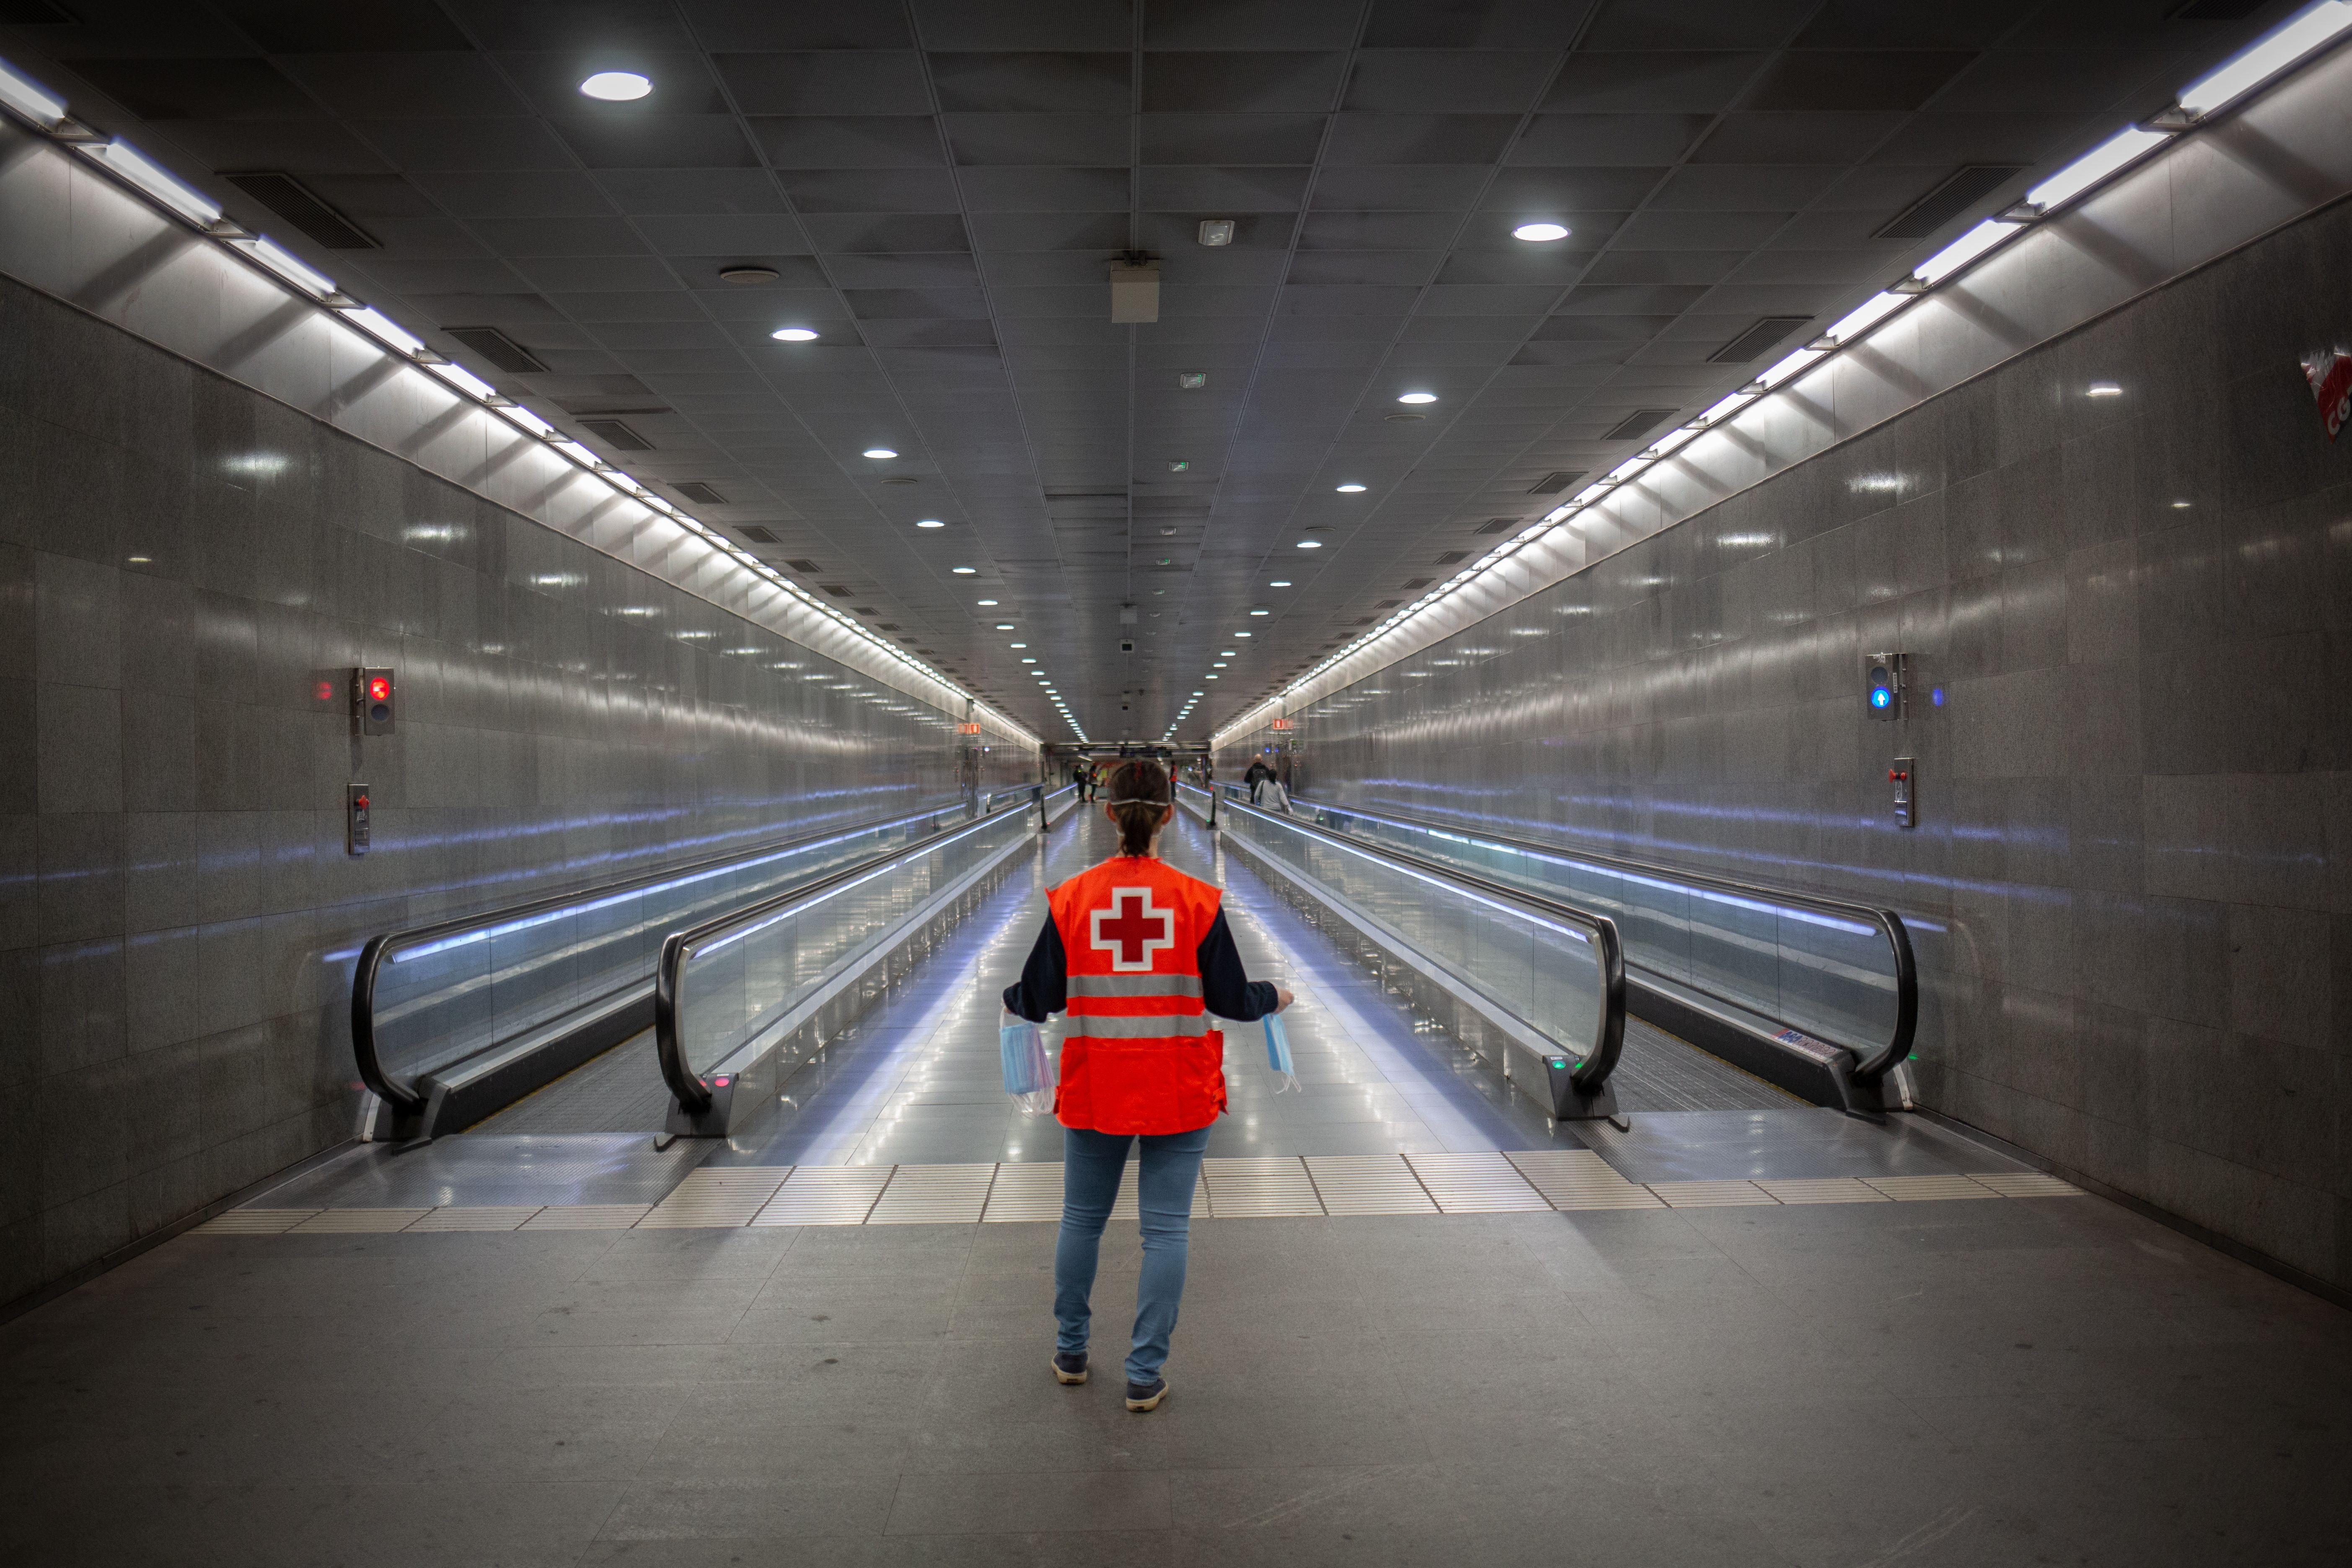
[372,955]
[1889,924]
[685,1086]
[1609,1042]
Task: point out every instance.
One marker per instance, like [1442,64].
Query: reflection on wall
[2121,568]
[188,571]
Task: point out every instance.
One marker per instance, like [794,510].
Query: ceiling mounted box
[1134,292]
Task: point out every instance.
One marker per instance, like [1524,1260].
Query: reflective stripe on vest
[1139,1026]
[1135,986]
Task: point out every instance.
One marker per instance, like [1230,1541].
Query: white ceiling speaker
[1215,231]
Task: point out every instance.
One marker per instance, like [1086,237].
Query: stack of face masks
[1028,1071]
[1277,1053]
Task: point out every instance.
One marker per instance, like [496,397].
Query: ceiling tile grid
[939,189]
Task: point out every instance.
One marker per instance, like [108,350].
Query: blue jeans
[1092,1163]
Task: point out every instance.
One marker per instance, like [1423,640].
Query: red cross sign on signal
[1131,930]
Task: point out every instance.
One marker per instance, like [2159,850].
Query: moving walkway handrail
[379,948]
[1609,1042]
[1887,922]
[691,1093]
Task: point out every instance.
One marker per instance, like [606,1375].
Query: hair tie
[1136,803]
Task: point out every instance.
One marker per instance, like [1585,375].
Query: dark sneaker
[1069,1368]
[1141,1396]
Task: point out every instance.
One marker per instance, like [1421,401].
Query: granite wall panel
[188,569]
[2129,617]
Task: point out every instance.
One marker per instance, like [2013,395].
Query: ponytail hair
[1138,792]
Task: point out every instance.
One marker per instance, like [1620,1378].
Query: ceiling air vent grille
[1751,344]
[1956,194]
[1416,584]
[1496,525]
[1386,604]
[617,435]
[757,535]
[499,349]
[289,199]
[809,566]
[699,491]
[1639,423]
[836,589]
[1551,484]
[1451,556]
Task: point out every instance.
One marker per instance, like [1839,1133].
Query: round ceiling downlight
[1538,233]
[793,335]
[616,86]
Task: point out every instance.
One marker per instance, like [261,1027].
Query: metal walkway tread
[1513,1180]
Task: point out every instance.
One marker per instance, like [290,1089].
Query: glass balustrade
[1547,968]
[429,1000]
[732,981]
[1838,972]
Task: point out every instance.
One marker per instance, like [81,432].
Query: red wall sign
[2331,384]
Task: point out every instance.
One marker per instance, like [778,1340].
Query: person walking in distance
[1139,955]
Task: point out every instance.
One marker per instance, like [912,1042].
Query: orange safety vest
[1137,1053]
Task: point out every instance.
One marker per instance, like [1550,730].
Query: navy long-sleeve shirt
[1226,989]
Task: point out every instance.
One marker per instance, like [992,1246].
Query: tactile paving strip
[1478,1182]
[1475,1184]
[1710,1194]
[1025,1190]
[587,1217]
[356,1221]
[1926,1189]
[934,1195]
[2028,1185]
[826,1194]
[1260,1188]
[256,1222]
[1580,1179]
[1368,1184]
[510,1218]
[1823,1190]
[728,1195]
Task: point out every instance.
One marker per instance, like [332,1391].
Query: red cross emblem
[1131,930]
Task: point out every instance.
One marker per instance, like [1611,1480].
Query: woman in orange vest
[1139,955]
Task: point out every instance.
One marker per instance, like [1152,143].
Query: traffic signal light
[371,700]
[1882,686]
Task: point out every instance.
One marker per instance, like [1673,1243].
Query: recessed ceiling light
[1416,398]
[1350,489]
[1004,626]
[965,571]
[985,600]
[2105,389]
[1016,644]
[1261,613]
[930,523]
[1279,583]
[747,275]
[878,453]
[1026,660]
[1244,634]
[1310,544]
[793,335]
[1540,232]
[617,86]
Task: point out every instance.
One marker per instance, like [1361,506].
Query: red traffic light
[379,689]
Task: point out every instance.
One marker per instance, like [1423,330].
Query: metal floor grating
[1513,1180]
[1659,1071]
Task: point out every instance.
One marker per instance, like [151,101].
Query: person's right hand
[1283,998]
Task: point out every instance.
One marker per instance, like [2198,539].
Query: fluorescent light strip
[27,98]
[2313,29]
[2109,158]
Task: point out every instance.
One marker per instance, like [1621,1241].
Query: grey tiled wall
[2132,886]
[187,572]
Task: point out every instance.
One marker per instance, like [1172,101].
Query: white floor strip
[712,1198]
[1710,1194]
[1926,1189]
[1259,1188]
[2028,1185]
[1823,1190]
[587,1217]
[254,1221]
[1580,1179]
[826,1194]
[1475,1184]
[1025,1190]
[359,1222]
[1368,1184]
[934,1195]
[510,1218]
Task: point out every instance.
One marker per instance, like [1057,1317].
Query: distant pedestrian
[1140,955]
[1267,793]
